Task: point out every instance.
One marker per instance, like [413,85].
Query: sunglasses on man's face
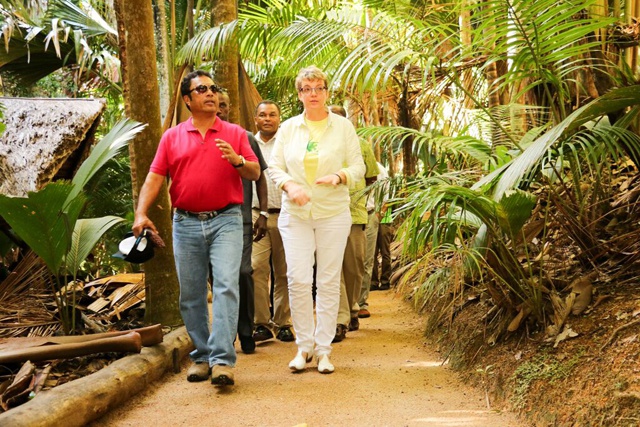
[202,89]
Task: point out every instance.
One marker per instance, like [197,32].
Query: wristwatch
[264,214]
[241,164]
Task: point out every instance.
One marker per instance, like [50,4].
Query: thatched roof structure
[44,139]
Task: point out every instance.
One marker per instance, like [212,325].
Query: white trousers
[326,238]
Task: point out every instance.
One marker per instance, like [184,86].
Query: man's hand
[228,152]
[259,228]
[296,193]
[140,223]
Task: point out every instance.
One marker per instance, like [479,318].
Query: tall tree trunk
[165,58]
[404,119]
[142,103]
[497,97]
[468,79]
[226,69]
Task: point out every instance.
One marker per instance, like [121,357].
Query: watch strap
[241,164]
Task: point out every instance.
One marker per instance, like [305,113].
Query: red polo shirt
[201,180]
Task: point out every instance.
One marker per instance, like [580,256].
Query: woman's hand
[332,179]
[296,193]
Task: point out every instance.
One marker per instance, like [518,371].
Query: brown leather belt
[203,216]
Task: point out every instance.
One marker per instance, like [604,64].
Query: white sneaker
[300,361]
[324,364]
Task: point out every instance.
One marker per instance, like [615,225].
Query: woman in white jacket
[316,158]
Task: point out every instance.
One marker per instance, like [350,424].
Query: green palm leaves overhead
[39,41]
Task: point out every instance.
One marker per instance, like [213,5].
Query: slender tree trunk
[226,69]
[165,58]
[404,117]
[468,80]
[190,30]
[497,97]
[142,103]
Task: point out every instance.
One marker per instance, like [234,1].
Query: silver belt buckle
[203,216]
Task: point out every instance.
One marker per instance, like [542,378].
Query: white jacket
[338,150]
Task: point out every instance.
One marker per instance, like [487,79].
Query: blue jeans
[196,244]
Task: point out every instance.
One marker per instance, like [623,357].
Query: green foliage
[86,234]
[47,220]
[541,368]
[42,38]
[616,100]
[109,191]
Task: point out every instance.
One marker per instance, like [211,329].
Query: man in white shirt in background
[268,250]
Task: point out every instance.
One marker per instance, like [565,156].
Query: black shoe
[354,325]
[285,334]
[384,287]
[247,344]
[373,287]
[341,333]
[262,333]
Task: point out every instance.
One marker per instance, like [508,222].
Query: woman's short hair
[311,73]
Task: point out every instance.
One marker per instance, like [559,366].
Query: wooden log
[128,343]
[79,402]
[151,335]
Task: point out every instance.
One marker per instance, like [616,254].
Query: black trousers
[247,308]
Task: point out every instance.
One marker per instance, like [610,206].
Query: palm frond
[81,17]
[108,147]
[41,221]
[86,234]
[512,173]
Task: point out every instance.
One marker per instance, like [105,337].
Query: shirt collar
[216,127]
[265,142]
[299,119]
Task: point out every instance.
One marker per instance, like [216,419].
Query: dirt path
[385,376]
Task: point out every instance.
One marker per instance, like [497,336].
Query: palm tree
[142,102]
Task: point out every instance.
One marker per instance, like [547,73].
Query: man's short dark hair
[266,102]
[185,86]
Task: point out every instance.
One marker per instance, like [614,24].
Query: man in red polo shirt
[206,159]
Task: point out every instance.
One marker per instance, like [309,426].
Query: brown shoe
[222,375]
[364,313]
[199,371]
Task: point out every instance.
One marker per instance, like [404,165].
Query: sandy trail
[385,376]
